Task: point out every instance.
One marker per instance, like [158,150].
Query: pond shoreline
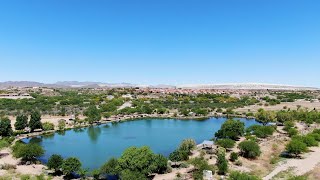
[130,118]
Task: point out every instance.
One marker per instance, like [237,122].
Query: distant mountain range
[77,84]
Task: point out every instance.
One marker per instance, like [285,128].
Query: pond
[95,145]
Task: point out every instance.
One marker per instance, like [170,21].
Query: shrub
[226,143]
[234,156]
[61,124]
[296,147]
[249,149]
[55,162]
[222,164]
[21,122]
[261,131]
[307,139]
[231,129]
[47,126]
[110,167]
[242,176]
[28,152]
[200,165]
[292,132]
[70,166]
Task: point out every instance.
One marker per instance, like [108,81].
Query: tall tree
[21,122]
[5,127]
[231,129]
[35,121]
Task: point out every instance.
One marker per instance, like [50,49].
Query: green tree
[222,164]
[159,164]
[234,156]
[28,152]
[283,116]
[249,149]
[231,129]
[5,127]
[265,117]
[93,114]
[70,165]
[200,165]
[296,147]
[137,160]
[130,175]
[21,122]
[61,124]
[35,121]
[55,162]
[187,145]
[226,143]
[47,126]
[110,167]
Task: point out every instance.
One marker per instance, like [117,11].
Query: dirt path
[300,166]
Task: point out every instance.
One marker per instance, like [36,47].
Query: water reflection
[94,133]
[36,140]
[48,136]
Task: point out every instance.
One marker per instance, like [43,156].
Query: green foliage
[249,149]
[70,165]
[55,162]
[21,122]
[234,156]
[159,164]
[5,127]
[265,117]
[183,151]
[261,131]
[298,178]
[35,121]
[110,167]
[61,124]
[284,116]
[226,143]
[296,147]
[235,175]
[47,126]
[130,175]
[93,114]
[200,165]
[28,152]
[141,160]
[222,164]
[231,129]
[292,132]
[307,139]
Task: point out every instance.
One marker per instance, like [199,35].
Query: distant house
[127,96]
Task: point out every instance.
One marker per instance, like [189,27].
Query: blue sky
[161,41]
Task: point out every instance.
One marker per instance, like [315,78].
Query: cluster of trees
[281,117]
[183,152]
[300,143]
[28,152]
[66,166]
[136,163]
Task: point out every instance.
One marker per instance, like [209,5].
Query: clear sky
[161,41]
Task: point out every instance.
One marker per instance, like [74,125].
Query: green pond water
[95,145]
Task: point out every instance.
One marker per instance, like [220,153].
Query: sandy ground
[300,166]
[173,174]
[292,105]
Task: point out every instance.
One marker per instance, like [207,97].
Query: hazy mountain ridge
[88,84]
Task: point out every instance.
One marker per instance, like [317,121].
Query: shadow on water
[48,136]
[36,140]
[94,133]
[78,130]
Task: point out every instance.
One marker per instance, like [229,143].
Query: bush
[110,167]
[242,176]
[292,132]
[61,124]
[249,149]
[231,129]
[28,152]
[226,143]
[47,126]
[234,156]
[307,139]
[200,165]
[296,147]
[261,131]
[222,164]
[21,122]
[70,165]
[183,151]
[55,162]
